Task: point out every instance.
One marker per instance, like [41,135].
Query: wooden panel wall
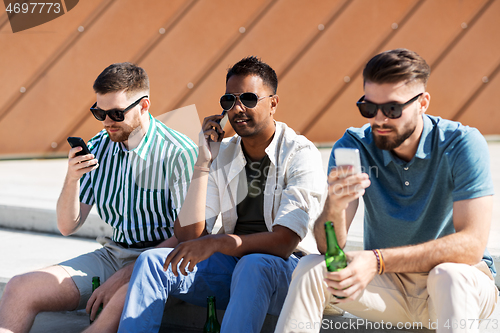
[317,47]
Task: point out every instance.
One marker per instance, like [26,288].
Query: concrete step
[179,314]
[181,317]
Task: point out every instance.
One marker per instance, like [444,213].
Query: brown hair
[122,76]
[396,66]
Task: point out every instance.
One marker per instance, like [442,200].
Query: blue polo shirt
[411,202]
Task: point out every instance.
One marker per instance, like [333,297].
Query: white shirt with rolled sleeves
[294,191]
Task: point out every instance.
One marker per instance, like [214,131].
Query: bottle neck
[211,310]
[95,284]
[331,237]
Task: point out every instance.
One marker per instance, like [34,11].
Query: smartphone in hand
[348,156]
[222,122]
[78,142]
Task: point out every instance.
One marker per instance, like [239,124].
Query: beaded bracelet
[201,168]
[378,260]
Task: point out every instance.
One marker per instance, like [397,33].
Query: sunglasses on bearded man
[390,110]
[114,114]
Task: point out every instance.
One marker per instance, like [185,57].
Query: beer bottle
[212,324]
[334,256]
[96,282]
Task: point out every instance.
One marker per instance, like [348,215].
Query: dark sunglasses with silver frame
[115,114]
[248,99]
[390,110]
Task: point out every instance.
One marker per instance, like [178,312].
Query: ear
[274,103]
[425,100]
[145,104]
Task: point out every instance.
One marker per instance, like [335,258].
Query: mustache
[382,127]
[240,118]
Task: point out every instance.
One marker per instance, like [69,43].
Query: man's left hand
[353,279]
[191,252]
[105,292]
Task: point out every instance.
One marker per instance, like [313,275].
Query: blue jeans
[258,284]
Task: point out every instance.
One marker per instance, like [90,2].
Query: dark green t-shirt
[251,209]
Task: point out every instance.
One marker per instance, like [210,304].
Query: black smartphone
[78,142]
[222,122]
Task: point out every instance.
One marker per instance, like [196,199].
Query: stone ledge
[45,220]
[181,315]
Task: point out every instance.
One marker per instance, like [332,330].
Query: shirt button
[406,168]
[407,183]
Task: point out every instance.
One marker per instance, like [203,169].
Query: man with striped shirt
[137,175]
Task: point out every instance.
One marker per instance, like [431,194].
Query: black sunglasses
[248,99]
[390,110]
[115,114]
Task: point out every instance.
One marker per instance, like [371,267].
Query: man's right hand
[79,165]
[344,187]
[210,137]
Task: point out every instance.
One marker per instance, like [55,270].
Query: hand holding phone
[78,142]
[222,122]
[348,156]
[76,168]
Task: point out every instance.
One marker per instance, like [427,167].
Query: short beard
[388,143]
[125,131]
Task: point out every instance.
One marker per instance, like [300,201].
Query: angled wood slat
[233,43]
[318,49]
[85,124]
[431,44]
[75,71]
[476,94]
[338,60]
[28,56]
[183,54]
[481,111]
[456,79]
[283,29]
[337,12]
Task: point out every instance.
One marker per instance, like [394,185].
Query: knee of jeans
[256,264]
[149,258]
[445,276]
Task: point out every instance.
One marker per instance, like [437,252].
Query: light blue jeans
[258,284]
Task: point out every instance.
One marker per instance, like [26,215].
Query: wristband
[380,261]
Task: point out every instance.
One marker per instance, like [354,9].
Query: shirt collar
[118,147]
[271,150]
[145,145]
[424,145]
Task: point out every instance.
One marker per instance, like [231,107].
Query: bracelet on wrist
[201,168]
[380,261]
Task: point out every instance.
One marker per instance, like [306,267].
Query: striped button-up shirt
[139,192]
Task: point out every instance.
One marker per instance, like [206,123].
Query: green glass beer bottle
[212,324]
[334,256]
[96,282]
